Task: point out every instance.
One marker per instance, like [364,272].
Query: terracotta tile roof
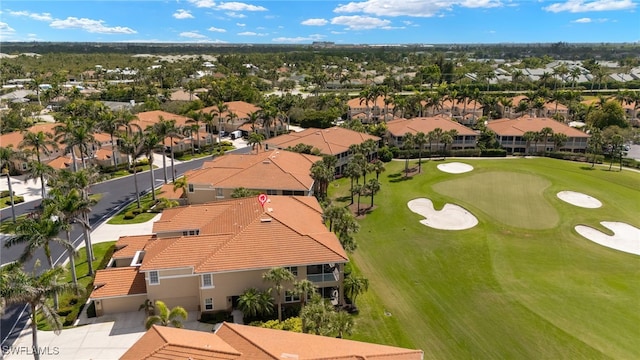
[331,141]
[61,162]
[162,342]
[240,234]
[167,192]
[127,246]
[379,102]
[103,154]
[517,127]
[14,138]
[181,95]
[425,125]
[242,109]
[118,282]
[277,170]
[149,118]
[260,343]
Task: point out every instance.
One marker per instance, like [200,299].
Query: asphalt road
[116,194]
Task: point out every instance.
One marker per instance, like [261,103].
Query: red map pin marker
[262,198]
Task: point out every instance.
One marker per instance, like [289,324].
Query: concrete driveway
[104,338]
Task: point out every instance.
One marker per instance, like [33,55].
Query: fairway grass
[521,284]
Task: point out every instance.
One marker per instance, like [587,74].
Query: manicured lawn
[521,284]
[70,302]
[145,201]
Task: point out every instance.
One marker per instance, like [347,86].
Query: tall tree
[408,144]
[42,143]
[546,133]
[150,143]
[420,141]
[8,156]
[355,286]
[304,288]
[595,143]
[277,276]
[133,146]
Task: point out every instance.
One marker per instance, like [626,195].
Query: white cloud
[238,6]
[576,6]
[192,35]
[35,16]
[5,29]
[235,15]
[413,8]
[215,29]
[203,3]
[90,25]
[358,22]
[241,24]
[338,32]
[251,33]
[182,14]
[582,20]
[315,22]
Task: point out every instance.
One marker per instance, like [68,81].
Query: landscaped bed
[521,284]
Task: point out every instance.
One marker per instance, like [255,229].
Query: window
[190,188]
[208,304]
[207,280]
[292,269]
[191,232]
[24,166]
[154,279]
[272,192]
[290,296]
[219,193]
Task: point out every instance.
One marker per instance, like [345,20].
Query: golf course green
[522,284]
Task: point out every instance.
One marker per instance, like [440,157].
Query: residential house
[203,257]
[238,114]
[370,111]
[180,143]
[274,172]
[240,342]
[398,129]
[334,141]
[465,112]
[548,110]
[509,133]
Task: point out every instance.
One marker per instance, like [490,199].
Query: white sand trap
[625,237]
[451,217]
[579,199]
[455,168]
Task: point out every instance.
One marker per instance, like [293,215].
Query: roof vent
[265,220]
[266,162]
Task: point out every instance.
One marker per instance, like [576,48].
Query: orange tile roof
[127,246]
[425,125]
[260,343]
[359,103]
[277,170]
[167,192]
[242,109]
[14,138]
[161,342]
[331,141]
[61,162]
[149,118]
[235,235]
[118,282]
[517,127]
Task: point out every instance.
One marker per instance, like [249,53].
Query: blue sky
[305,21]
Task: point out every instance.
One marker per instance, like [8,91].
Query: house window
[190,232]
[190,188]
[208,304]
[292,269]
[24,166]
[207,280]
[219,192]
[272,192]
[290,296]
[154,279]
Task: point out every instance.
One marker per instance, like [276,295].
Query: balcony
[318,274]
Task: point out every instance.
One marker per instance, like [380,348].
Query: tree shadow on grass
[396,175]
[589,168]
[401,179]
[343,198]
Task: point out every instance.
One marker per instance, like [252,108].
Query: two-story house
[203,257]
[398,129]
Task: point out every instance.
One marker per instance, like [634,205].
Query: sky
[306,21]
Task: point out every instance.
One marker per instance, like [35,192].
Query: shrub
[5,193]
[72,316]
[385,154]
[65,311]
[129,215]
[16,200]
[494,153]
[142,162]
[91,310]
[136,211]
[216,317]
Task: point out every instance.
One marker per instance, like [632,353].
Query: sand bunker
[455,168]
[451,217]
[625,238]
[579,199]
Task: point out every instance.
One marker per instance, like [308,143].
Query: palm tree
[74,133]
[353,171]
[372,187]
[7,158]
[255,141]
[151,142]
[378,167]
[322,174]
[42,171]
[545,133]
[42,143]
[148,307]
[133,146]
[253,302]
[317,316]
[37,232]
[528,137]
[195,117]
[342,323]
[166,316]
[408,144]
[596,140]
[110,123]
[304,288]
[559,139]
[420,141]
[277,276]
[35,289]
[358,189]
[252,119]
[221,108]
[355,286]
